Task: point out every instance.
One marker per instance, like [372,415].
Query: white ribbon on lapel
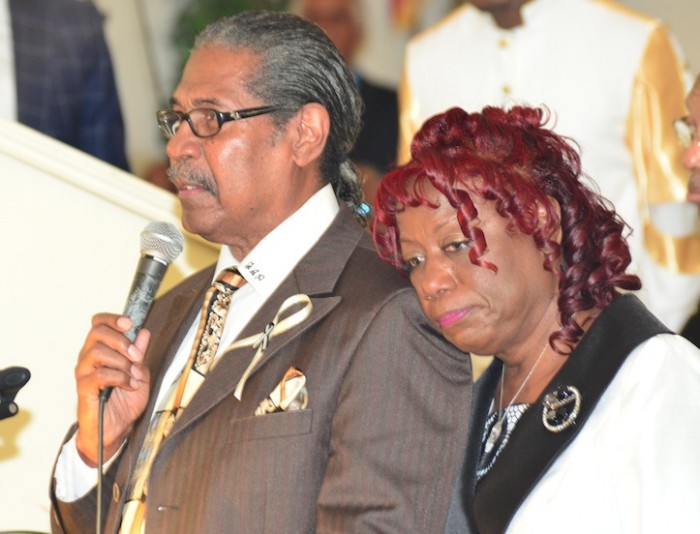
[272,329]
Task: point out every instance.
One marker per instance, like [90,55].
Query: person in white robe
[614,79]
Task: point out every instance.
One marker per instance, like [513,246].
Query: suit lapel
[316,276]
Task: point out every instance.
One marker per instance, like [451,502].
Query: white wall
[683,17]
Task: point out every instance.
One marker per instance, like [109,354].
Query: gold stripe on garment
[660,86]
[677,254]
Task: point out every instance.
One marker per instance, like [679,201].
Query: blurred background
[148,40]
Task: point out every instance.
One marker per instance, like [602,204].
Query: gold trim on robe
[659,90]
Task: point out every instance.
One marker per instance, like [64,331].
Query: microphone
[161,243]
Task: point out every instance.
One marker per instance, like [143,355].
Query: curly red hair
[509,157]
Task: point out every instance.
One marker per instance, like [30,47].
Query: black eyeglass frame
[221,118]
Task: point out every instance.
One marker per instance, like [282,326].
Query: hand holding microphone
[107,356]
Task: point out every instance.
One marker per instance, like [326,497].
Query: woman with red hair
[588,417]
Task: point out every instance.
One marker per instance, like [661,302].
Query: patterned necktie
[211,325]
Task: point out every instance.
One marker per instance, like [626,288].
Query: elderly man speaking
[325,423]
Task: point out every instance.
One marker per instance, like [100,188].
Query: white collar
[271,261]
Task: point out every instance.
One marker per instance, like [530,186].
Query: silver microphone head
[162,241]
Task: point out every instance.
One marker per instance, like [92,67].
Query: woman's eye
[457,245]
[411,263]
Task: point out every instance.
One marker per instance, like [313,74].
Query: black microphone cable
[100,462]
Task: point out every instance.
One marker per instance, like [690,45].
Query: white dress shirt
[264,269]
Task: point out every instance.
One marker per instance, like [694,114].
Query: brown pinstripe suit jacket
[377,449]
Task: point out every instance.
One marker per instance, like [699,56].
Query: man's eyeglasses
[685,131]
[204,122]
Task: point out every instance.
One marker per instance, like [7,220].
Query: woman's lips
[450,318]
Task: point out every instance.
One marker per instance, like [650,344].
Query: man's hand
[109,359]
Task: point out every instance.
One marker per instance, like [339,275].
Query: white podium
[70,243]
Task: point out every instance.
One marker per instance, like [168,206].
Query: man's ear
[313,125]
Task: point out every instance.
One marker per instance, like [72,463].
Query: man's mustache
[182,173]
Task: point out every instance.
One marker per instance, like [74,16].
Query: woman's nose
[437,278]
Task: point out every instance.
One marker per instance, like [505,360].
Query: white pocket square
[289,395]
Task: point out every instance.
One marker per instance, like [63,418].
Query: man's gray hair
[299,65]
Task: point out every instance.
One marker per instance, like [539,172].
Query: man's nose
[183,144]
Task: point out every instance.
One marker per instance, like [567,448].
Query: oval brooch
[561,408]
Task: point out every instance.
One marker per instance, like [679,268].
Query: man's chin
[192,224]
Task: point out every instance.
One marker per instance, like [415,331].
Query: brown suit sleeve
[399,431]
